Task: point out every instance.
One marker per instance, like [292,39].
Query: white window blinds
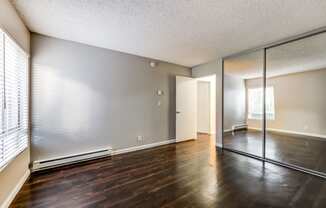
[14,99]
[255,103]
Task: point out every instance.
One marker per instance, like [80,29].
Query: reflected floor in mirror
[187,174]
[304,151]
[247,141]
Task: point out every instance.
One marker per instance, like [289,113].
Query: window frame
[259,116]
[10,132]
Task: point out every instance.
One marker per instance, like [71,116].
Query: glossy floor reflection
[188,174]
[303,151]
[246,141]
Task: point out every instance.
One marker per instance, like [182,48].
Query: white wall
[13,174]
[213,68]
[203,107]
[212,82]
[300,102]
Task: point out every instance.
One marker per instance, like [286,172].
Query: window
[255,103]
[14,99]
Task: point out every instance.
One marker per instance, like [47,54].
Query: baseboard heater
[239,127]
[71,159]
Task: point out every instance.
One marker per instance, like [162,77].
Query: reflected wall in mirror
[296,103]
[243,103]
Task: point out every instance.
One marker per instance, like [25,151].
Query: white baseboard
[142,147]
[203,132]
[183,140]
[227,130]
[292,132]
[16,189]
[219,145]
[253,128]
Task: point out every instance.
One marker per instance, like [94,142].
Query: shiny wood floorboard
[188,174]
[307,152]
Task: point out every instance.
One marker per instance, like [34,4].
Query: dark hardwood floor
[307,152]
[188,174]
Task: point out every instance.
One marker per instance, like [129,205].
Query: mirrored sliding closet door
[296,103]
[243,103]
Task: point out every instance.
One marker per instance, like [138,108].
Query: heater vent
[66,160]
[239,127]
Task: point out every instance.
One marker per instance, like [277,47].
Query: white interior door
[186,108]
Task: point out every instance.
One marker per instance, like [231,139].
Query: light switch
[159,92]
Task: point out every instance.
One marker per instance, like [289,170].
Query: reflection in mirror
[243,103]
[296,103]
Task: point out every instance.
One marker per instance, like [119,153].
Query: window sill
[3,167]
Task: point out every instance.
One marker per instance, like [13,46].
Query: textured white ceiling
[307,54]
[185,32]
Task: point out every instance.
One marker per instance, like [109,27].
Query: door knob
[177,112]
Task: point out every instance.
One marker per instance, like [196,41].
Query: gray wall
[211,68]
[234,101]
[86,98]
[300,102]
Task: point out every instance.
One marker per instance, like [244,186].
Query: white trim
[219,145]
[227,130]
[201,132]
[184,140]
[16,189]
[254,128]
[142,147]
[292,132]
[231,130]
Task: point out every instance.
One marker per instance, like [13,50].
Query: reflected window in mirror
[255,100]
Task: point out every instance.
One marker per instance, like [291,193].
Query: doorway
[195,107]
[206,105]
